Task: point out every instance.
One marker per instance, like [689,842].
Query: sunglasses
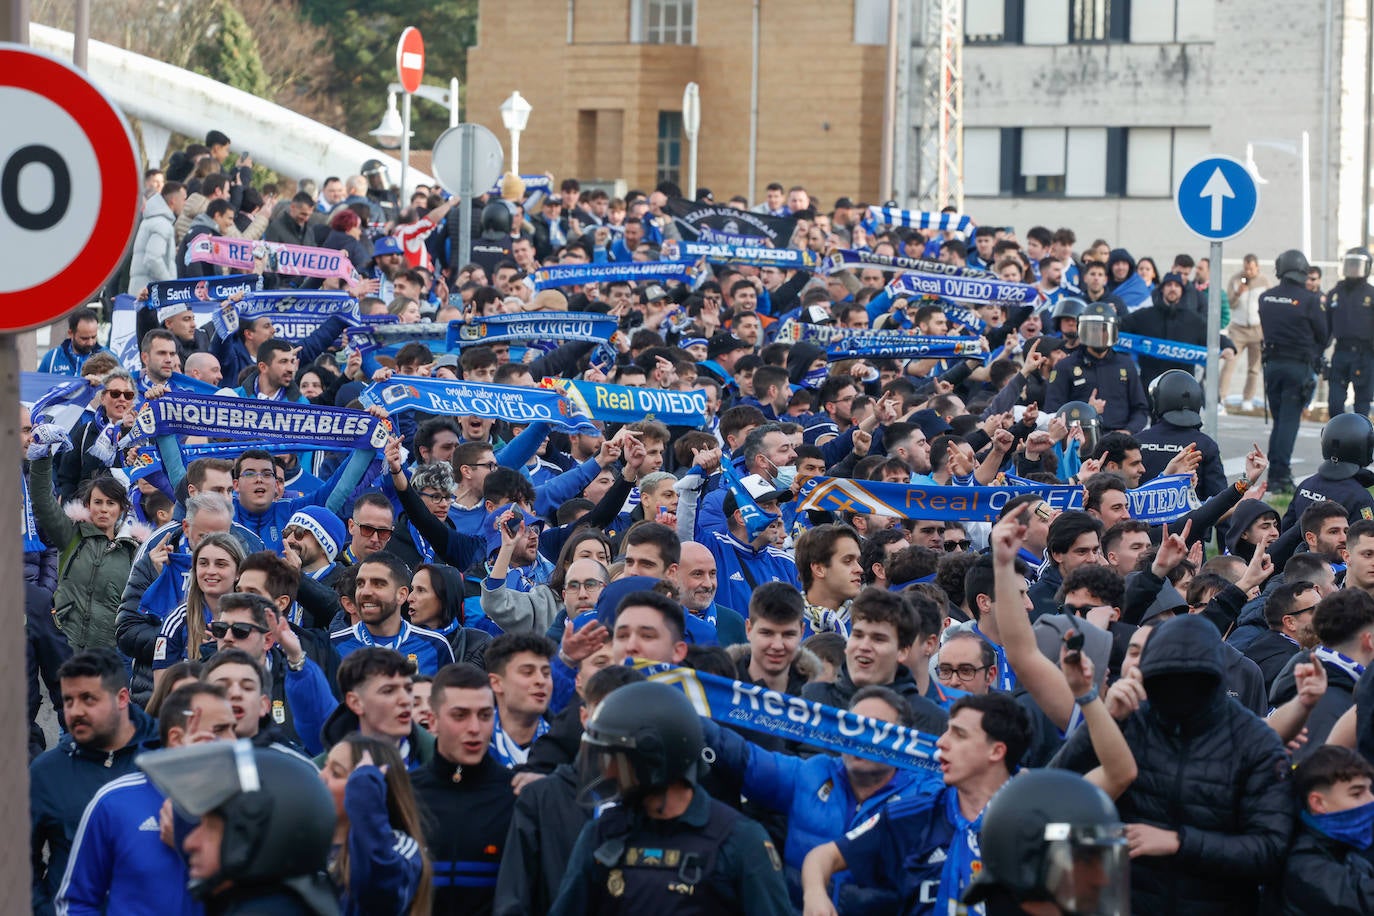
[372,531]
[951,546]
[220,629]
[118,393]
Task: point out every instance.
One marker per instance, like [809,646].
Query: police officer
[1095,370]
[1295,334]
[493,244]
[379,191]
[266,824]
[1344,474]
[1064,320]
[1350,307]
[666,847]
[1176,421]
[1052,843]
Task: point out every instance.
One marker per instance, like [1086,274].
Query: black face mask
[1180,698]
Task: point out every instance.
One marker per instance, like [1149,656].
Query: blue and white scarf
[623,404]
[506,751]
[896,345]
[921,219]
[770,712]
[28,525]
[848,258]
[552,326]
[755,519]
[753,255]
[962,289]
[300,308]
[332,428]
[163,293]
[1164,499]
[1191,354]
[453,398]
[632,271]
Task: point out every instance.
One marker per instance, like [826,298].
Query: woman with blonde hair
[185,633]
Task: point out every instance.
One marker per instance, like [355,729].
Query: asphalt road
[1237,433]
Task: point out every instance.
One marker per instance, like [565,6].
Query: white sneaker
[1247,405]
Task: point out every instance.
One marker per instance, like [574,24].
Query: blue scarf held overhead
[895,345]
[963,289]
[1192,354]
[1164,499]
[623,404]
[847,258]
[769,712]
[633,271]
[749,253]
[554,326]
[330,428]
[206,289]
[451,398]
[920,219]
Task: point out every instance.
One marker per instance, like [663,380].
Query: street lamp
[515,114]
[388,133]
[1302,151]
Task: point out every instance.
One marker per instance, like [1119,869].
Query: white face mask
[785,476]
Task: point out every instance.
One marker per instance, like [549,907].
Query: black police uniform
[1295,334]
[1160,442]
[1351,492]
[710,861]
[1350,309]
[1115,379]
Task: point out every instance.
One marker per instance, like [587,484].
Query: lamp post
[691,125]
[388,133]
[1301,149]
[515,114]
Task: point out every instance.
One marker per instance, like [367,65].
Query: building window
[664,22]
[1099,20]
[1042,162]
[669,156]
[991,22]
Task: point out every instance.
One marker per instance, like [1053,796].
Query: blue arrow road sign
[1217,198]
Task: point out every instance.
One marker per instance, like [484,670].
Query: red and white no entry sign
[69,188]
[410,59]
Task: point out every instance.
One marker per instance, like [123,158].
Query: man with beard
[908,443]
[276,379]
[1288,614]
[83,342]
[383,585]
[105,732]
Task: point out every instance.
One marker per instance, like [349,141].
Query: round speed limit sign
[69,188]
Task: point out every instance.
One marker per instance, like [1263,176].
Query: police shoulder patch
[1053,374]
[1367,513]
[773,855]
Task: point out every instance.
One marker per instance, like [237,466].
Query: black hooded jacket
[1248,511]
[1214,774]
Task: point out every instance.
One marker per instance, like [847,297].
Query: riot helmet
[496,218]
[1097,326]
[278,816]
[1068,307]
[1176,397]
[1084,415]
[1292,266]
[1347,445]
[1355,264]
[376,173]
[642,738]
[1050,835]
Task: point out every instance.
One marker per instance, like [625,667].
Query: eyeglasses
[951,546]
[120,393]
[489,465]
[589,585]
[251,474]
[436,496]
[372,531]
[962,672]
[221,629]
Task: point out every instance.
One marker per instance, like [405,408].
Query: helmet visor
[1087,869]
[1097,332]
[606,775]
[1355,266]
[202,777]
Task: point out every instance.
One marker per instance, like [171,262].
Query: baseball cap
[387,244]
[724,343]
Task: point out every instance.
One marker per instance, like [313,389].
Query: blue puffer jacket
[815,795]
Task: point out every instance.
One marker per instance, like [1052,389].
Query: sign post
[467,161]
[691,126]
[1216,200]
[69,201]
[410,71]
